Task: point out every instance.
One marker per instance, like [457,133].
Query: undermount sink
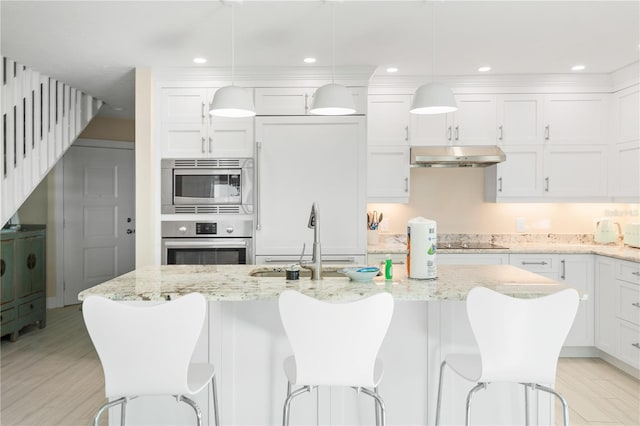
[304,273]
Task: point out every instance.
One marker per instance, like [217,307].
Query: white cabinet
[474,123]
[618,309]
[298,100]
[519,119]
[472,259]
[388,148]
[577,272]
[556,146]
[388,174]
[388,120]
[301,160]
[576,119]
[188,130]
[625,161]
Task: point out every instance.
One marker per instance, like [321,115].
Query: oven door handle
[207,244]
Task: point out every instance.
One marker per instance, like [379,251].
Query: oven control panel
[206,228]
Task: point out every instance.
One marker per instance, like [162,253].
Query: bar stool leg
[378,399]
[106,406]
[375,405]
[471,392]
[565,407]
[123,412]
[526,404]
[287,402]
[440,392]
[214,391]
[193,405]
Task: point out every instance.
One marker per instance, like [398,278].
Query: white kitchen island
[244,338]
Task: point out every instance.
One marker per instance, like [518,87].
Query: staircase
[41,117]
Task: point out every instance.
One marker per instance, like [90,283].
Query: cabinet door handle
[406,184]
[564,269]
[534,263]
[258,165]
[203,150]
[501,132]
[210,144]
[636,304]
[306,103]
[546,184]
[406,133]
[202,112]
[636,274]
[457,132]
[547,133]
[449,133]
[637,345]
[500,184]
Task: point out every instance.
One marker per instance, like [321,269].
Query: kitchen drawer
[630,344]
[629,272]
[7,316]
[628,302]
[31,307]
[535,263]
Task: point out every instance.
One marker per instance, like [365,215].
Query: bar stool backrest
[145,350]
[335,343]
[520,339]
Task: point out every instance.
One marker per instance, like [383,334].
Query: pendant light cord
[433,40]
[233,50]
[333,44]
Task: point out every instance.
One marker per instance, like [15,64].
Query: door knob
[130,231]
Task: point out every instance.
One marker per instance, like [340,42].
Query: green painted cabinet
[23,275]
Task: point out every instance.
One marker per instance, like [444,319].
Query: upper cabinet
[298,100]
[388,120]
[576,119]
[557,148]
[188,130]
[474,123]
[625,151]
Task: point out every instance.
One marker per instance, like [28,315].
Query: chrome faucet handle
[312,216]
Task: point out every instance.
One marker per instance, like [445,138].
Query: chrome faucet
[315,266]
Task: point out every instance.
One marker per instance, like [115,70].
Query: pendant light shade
[232,101]
[332,99]
[433,98]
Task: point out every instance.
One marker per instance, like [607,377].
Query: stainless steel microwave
[207,185]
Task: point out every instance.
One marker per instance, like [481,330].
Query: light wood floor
[53,377]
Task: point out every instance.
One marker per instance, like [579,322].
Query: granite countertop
[396,244]
[233,283]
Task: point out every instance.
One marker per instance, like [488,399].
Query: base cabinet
[618,309]
[22,281]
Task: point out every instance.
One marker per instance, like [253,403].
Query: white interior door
[99,223]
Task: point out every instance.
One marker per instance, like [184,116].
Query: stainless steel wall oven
[207,185]
[226,242]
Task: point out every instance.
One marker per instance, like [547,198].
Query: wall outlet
[521,224]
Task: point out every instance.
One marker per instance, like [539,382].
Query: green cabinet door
[37,264]
[30,261]
[7,271]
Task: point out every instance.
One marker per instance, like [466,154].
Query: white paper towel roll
[421,248]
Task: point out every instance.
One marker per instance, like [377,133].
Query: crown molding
[543,83]
[626,76]
[267,76]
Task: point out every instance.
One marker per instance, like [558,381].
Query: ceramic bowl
[360,273]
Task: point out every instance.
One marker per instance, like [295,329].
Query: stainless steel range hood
[456,156]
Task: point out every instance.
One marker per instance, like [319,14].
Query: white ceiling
[95,45]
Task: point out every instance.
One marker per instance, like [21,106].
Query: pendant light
[332,99]
[433,98]
[232,101]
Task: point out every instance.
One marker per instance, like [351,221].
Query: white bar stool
[147,350]
[519,341]
[335,344]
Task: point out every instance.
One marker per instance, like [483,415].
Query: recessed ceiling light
[392,69]
[484,69]
[200,60]
[309,60]
[577,68]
